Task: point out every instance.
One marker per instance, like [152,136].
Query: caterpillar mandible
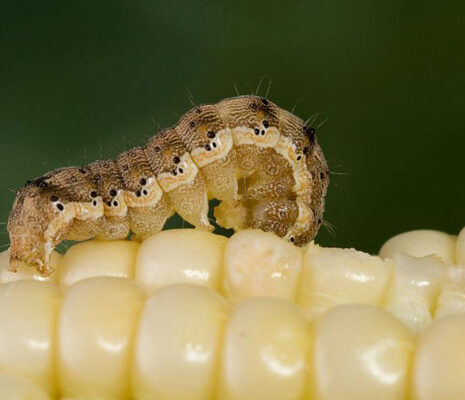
[260,161]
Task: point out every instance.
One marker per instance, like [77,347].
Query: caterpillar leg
[179,177]
[146,221]
[191,203]
[275,216]
[221,178]
[271,190]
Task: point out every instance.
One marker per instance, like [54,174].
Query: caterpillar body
[260,161]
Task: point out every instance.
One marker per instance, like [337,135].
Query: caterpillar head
[36,225]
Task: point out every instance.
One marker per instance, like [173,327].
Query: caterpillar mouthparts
[260,161]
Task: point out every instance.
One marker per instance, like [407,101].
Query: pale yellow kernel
[178,343]
[180,256]
[451,298]
[265,352]
[360,352]
[258,263]
[27,331]
[460,251]
[18,388]
[333,276]
[96,327]
[421,243]
[96,258]
[414,289]
[439,362]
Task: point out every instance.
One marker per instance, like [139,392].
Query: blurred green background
[81,80]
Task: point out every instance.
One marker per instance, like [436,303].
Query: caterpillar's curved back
[259,160]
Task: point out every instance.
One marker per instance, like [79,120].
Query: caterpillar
[260,161]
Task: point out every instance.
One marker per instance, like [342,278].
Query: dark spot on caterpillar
[174,172]
[319,221]
[113,192]
[115,203]
[305,150]
[39,182]
[157,148]
[253,106]
[53,198]
[257,131]
[82,170]
[198,110]
[322,175]
[192,124]
[214,144]
[211,134]
[60,206]
[143,181]
[109,203]
[265,124]
[292,239]
[176,160]
[181,170]
[93,194]
[94,203]
[299,158]
[138,193]
[310,133]
[265,101]
[207,147]
[263,132]
[144,192]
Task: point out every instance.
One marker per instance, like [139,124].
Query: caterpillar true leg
[180,177]
[259,160]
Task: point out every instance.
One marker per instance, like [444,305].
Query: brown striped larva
[259,160]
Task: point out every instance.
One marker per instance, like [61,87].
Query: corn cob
[192,315]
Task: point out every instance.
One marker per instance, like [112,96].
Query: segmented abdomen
[260,161]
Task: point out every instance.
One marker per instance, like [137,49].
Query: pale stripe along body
[259,160]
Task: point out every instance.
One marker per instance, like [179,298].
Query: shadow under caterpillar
[259,160]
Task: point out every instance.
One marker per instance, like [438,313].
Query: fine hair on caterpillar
[261,162]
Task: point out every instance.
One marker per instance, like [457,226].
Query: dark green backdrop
[82,80]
